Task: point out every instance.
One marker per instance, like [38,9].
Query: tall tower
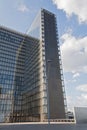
[45,28]
[31,84]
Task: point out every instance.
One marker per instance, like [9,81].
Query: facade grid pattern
[30,69]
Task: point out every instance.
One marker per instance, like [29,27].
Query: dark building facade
[31,87]
[53,70]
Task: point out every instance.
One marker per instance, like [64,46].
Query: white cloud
[82,88]
[77,7]
[70,81]
[82,100]
[23,8]
[78,101]
[74,53]
[76,75]
[70,102]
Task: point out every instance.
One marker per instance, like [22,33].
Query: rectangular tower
[53,67]
[45,28]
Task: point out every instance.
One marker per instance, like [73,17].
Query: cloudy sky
[72,28]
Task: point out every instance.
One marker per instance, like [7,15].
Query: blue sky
[72,28]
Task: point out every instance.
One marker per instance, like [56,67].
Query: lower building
[80,114]
[19,77]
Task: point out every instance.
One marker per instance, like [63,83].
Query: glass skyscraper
[31,85]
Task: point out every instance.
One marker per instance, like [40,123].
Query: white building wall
[81,114]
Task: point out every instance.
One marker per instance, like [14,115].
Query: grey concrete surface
[80,114]
[44,127]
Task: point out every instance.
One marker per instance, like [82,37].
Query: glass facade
[19,77]
[52,68]
[9,44]
[34,29]
[29,70]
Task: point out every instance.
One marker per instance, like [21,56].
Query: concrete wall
[81,114]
